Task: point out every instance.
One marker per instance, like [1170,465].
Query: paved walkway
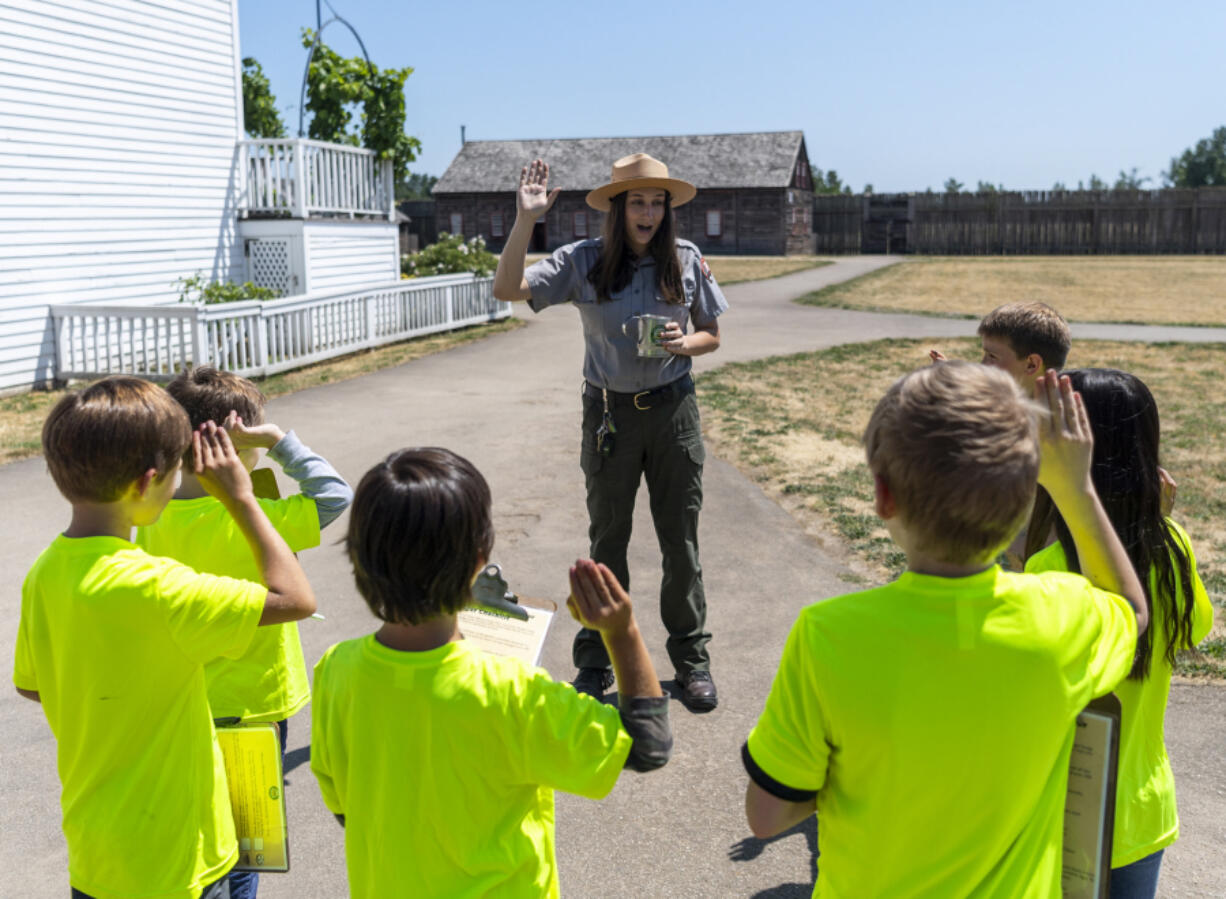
[511,404]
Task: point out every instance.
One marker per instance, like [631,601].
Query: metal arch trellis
[319,33]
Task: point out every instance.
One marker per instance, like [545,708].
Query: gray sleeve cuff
[316,478]
[646,720]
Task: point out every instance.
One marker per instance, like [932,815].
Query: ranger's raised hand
[534,199]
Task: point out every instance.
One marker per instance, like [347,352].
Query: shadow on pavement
[750,848]
[296,757]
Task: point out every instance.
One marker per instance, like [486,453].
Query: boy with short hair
[929,721]
[112,641]
[441,760]
[268,683]
[1027,340]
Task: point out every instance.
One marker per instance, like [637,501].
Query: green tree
[1096,183]
[987,187]
[336,86]
[829,183]
[1201,166]
[1059,186]
[953,185]
[415,187]
[260,116]
[1130,180]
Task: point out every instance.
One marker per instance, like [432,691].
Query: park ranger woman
[648,303]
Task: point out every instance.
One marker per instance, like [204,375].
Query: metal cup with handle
[647,331]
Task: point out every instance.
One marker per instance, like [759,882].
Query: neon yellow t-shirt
[114,640]
[933,718]
[444,764]
[1146,819]
[269,682]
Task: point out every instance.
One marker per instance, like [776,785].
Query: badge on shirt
[706,269]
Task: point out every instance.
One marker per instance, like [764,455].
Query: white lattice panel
[268,264]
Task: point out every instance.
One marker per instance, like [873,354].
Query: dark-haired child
[1124,420]
[929,722]
[439,759]
[113,641]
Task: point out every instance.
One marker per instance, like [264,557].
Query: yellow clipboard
[252,754]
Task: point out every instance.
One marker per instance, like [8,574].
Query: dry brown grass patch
[794,425]
[1146,289]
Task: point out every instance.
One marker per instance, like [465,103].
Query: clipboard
[252,754]
[264,484]
[501,635]
[1089,804]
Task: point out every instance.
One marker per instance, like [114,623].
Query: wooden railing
[256,338]
[303,177]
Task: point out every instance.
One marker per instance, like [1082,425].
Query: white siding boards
[349,255]
[118,159]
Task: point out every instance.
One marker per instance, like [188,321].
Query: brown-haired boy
[268,683]
[1027,340]
[441,760]
[929,722]
[113,642]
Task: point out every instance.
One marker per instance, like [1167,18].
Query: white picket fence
[302,177]
[256,338]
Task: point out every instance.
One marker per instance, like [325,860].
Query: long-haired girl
[1124,419]
[648,303]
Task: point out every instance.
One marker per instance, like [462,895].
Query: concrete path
[511,404]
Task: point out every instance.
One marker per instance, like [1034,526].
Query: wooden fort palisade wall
[1037,222]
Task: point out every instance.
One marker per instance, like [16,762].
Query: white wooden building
[123,169]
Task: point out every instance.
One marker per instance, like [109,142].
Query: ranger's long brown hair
[615,267]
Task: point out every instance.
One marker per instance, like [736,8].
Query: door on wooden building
[540,234]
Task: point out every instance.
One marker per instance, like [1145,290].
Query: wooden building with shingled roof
[755,190]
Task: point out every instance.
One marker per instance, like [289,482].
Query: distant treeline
[1168,220]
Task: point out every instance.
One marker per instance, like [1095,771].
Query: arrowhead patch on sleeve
[706,269]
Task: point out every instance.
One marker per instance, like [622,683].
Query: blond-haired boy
[929,721]
[112,641]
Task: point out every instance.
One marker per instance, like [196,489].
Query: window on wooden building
[715,223]
[496,224]
[580,224]
[457,223]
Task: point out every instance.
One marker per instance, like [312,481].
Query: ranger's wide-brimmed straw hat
[636,171]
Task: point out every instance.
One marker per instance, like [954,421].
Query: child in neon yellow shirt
[1124,419]
[269,681]
[112,641]
[929,722]
[441,760]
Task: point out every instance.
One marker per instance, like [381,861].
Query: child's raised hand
[217,465]
[1066,443]
[1168,489]
[937,356]
[264,436]
[597,600]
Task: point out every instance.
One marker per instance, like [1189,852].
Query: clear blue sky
[899,94]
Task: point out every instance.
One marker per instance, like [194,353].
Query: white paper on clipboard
[504,636]
[1089,806]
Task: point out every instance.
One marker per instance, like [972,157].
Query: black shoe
[593,681]
[698,691]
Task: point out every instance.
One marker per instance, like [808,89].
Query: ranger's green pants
[664,443]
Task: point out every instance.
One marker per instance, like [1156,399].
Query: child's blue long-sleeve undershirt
[315,476]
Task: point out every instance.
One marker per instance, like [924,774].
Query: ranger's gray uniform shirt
[611,358]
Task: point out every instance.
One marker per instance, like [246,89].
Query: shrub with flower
[449,255]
